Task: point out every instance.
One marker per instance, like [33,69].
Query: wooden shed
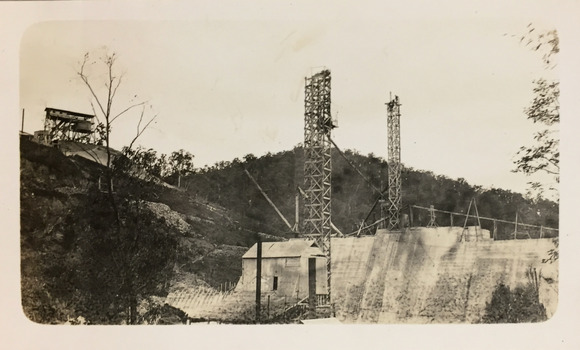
[284,268]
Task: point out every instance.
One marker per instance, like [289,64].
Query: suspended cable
[356,169]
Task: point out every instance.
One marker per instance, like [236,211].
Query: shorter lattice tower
[391,209]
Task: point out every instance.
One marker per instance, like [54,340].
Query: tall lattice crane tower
[391,210]
[318,125]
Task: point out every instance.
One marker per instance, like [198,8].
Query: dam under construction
[422,275]
[387,271]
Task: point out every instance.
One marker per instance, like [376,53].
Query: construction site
[390,270]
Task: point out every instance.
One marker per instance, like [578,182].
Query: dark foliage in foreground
[514,306]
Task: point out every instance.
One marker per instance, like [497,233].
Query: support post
[268,199]
[516,227]
[432,222]
[465,224]
[312,285]
[451,217]
[338,232]
[297,211]
[478,228]
[258,279]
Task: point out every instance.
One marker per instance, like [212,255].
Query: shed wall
[292,276]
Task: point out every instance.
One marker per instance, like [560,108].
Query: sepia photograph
[290,171]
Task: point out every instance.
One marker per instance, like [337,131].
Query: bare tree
[104,103]
[125,251]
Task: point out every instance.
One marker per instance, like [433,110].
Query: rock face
[173,218]
[427,275]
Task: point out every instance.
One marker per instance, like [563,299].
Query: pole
[312,285]
[516,229]
[478,221]
[268,199]
[467,216]
[258,279]
[465,224]
[297,212]
[336,229]
[22,127]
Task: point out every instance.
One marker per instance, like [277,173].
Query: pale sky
[226,88]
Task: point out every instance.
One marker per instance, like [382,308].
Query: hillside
[61,212]
[352,198]
[73,264]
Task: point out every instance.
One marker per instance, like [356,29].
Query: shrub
[514,306]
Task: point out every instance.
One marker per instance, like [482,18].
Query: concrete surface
[427,276]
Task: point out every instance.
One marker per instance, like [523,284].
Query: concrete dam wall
[427,275]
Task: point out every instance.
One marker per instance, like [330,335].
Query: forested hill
[81,256]
[352,197]
[76,265]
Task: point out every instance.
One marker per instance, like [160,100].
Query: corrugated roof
[61,113]
[293,248]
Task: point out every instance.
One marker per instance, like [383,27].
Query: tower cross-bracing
[393,205]
[68,126]
[317,162]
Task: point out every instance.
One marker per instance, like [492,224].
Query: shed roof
[61,114]
[292,248]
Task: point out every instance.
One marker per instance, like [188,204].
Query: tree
[514,306]
[124,250]
[181,163]
[147,160]
[104,105]
[544,155]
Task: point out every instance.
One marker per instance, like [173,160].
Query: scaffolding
[61,125]
[318,125]
[391,209]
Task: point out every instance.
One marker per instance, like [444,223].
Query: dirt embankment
[53,186]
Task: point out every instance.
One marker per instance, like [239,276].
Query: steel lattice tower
[317,162]
[392,208]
